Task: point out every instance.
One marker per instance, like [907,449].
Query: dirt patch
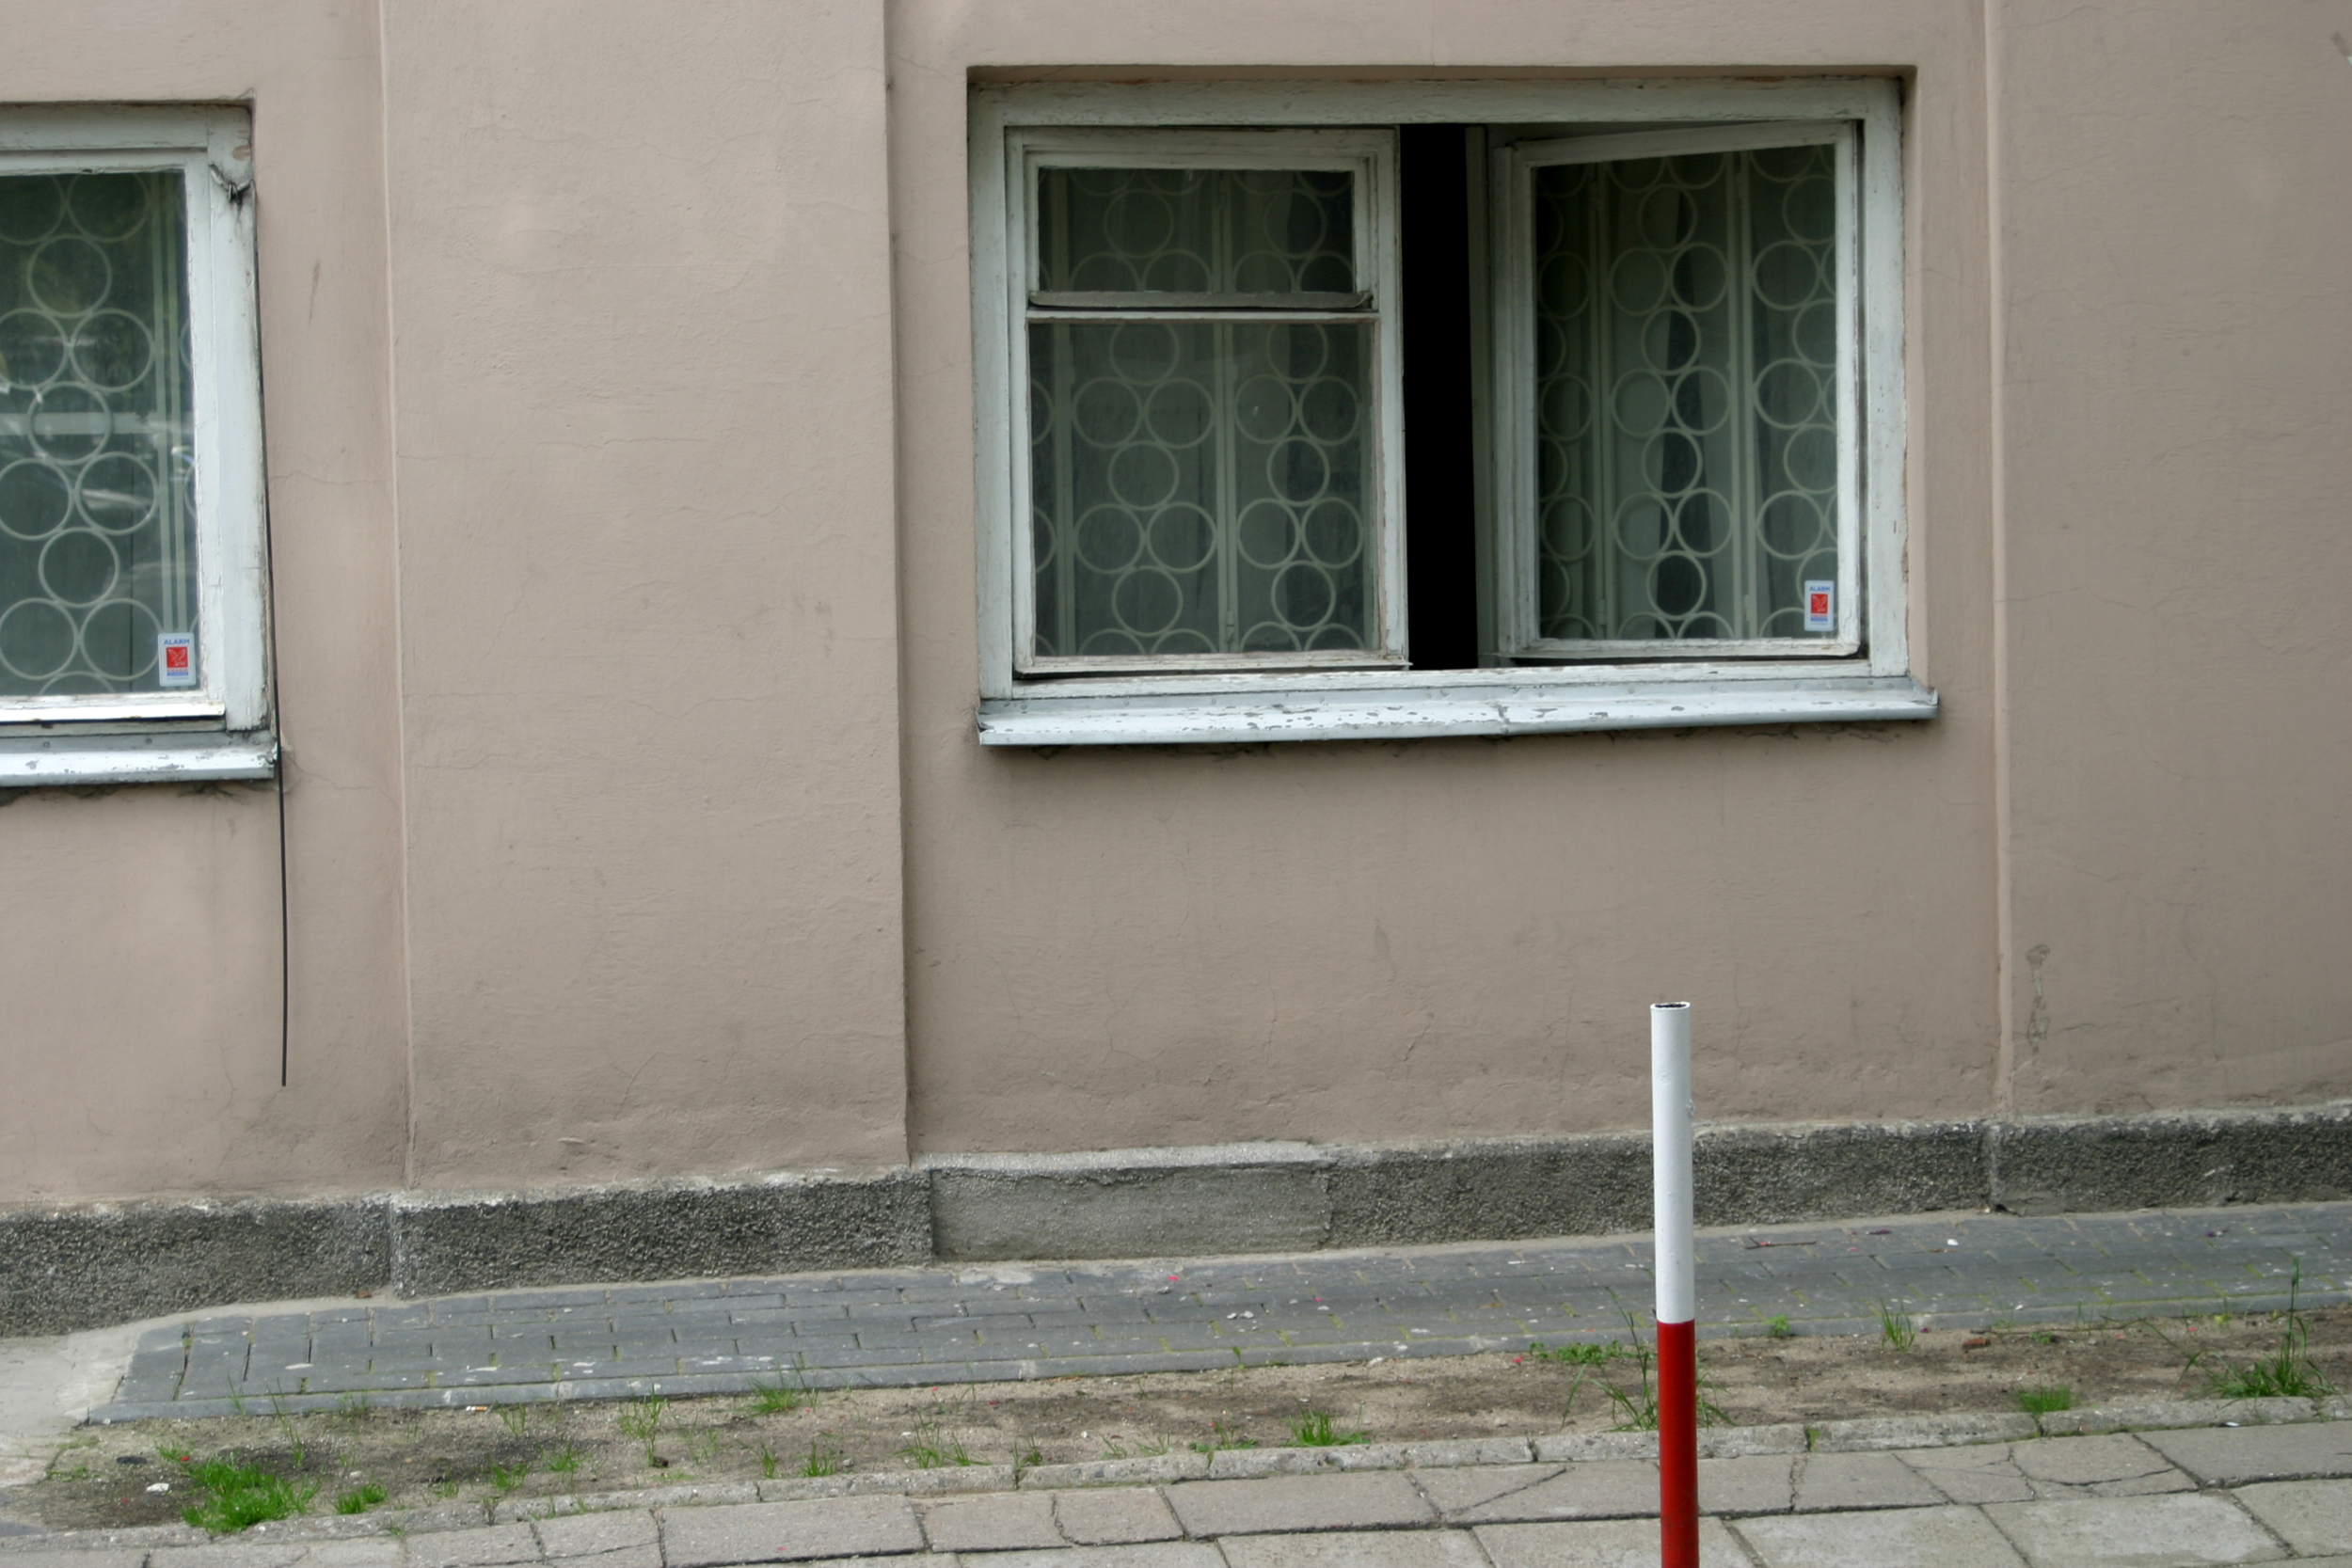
[419,1458]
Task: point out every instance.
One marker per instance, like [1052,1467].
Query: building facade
[643,729]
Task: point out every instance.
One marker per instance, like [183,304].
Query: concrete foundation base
[63,1269]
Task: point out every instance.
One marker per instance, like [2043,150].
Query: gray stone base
[68,1268]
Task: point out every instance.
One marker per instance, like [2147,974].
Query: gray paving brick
[1374,1499]
[1116,1515]
[1947,1537]
[763,1532]
[1610,1543]
[996,1522]
[2226,1456]
[2313,1517]
[2136,1532]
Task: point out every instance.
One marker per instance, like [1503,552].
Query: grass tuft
[777,1399]
[823,1459]
[358,1499]
[1897,1328]
[2288,1374]
[238,1496]
[641,1419]
[1222,1436]
[2046,1401]
[1312,1429]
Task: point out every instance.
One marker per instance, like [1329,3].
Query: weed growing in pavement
[1897,1327]
[238,1496]
[566,1460]
[2288,1374]
[1577,1356]
[767,1462]
[1776,1327]
[1312,1429]
[931,1451]
[358,1499]
[778,1398]
[353,1408]
[506,1479]
[516,1418]
[1222,1436]
[823,1459]
[640,1418]
[1025,1459]
[2045,1401]
[1639,1412]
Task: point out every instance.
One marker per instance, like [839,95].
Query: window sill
[51,760]
[1402,712]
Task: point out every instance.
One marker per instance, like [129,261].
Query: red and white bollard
[1678,1284]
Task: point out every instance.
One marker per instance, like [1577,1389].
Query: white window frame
[218,729]
[1370,156]
[1519,634]
[1873,684]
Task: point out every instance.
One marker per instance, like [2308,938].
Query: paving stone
[1606,1543]
[1755,1483]
[1832,1480]
[1113,1516]
[1985,1474]
[997,1522]
[474,1548]
[769,1532]
[1159,1554]
[2133,1532]
[2313,1517]
[50,1557]
[1457,1492]
[628,1539]
[2225,1456]
[2112,1467]
[249,1551]
[1419,1549]
[1213,1508]
[1900,1537]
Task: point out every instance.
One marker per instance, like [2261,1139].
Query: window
[1438,409]
[130,564]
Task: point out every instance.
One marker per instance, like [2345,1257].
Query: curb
[1876,1434]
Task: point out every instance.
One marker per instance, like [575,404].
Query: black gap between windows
[1441,476]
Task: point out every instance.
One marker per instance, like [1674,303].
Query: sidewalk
[1914,1493]
[914,1328]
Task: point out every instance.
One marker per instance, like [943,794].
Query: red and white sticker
[1820,606]
[175,659]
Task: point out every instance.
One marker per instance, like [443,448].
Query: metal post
[1678,1284]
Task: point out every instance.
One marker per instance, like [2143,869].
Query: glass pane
[1201,487]
[96,553]
[1196,230]
[1686,402]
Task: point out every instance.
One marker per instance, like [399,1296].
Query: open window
[1439,409]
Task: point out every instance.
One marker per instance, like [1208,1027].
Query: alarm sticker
[1820,606]
[175,659]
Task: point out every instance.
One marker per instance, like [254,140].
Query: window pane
[1686,402]
[1191,231]
[96,553]
[1200,487]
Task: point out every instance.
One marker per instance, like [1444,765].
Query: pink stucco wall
[619,398]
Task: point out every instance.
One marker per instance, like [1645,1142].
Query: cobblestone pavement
[1889,1493]
[947,1325]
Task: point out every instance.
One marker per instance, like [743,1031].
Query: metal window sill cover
[202,757]
[1410,712]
